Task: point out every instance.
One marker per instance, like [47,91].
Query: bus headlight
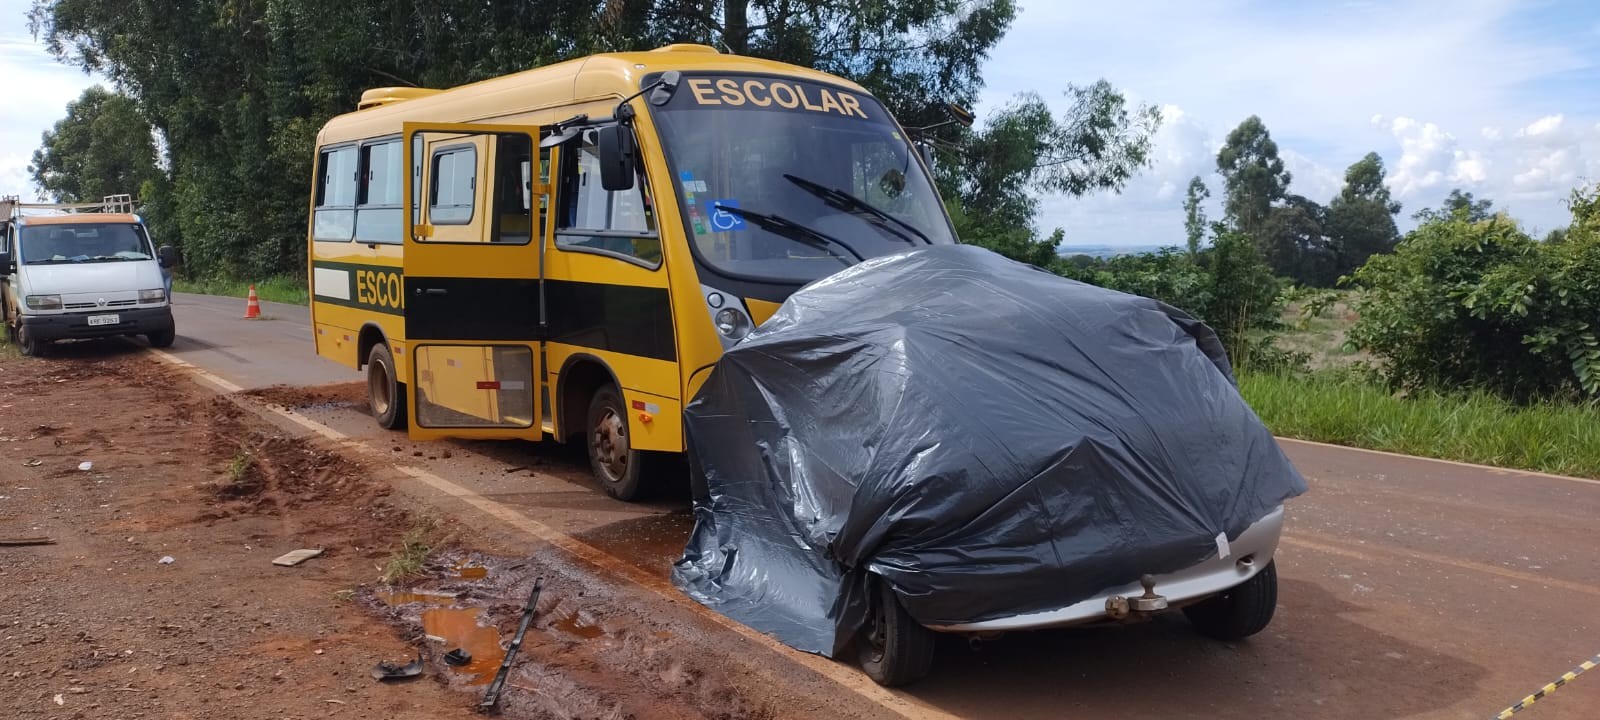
[732,323]
[44,302]
[152,296]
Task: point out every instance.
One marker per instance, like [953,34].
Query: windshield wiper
[790,229]
[838,197]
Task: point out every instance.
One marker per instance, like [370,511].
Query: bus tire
[618,467]
[386,395]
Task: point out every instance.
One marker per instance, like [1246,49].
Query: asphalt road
[1409,587]
[275,349]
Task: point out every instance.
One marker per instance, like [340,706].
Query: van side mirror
[6,266]
[167,256]
[618,160]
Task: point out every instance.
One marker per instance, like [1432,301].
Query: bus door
[473,271]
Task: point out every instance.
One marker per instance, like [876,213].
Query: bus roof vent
[686,48]
[384,96]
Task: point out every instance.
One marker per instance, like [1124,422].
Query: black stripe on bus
[627,319]
[451,308]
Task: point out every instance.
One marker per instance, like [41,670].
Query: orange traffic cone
[252,305]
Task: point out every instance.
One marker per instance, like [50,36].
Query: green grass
[275,289]
[8,349]
[408,560]
[1477,428]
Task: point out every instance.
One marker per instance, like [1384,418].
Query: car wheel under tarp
[895,649]
[1240,611]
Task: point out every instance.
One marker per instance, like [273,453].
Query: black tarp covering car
[985,437]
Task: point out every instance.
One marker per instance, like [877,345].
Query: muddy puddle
[449,628]
[579,624]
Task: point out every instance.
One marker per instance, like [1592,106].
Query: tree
[1024,149]
[239,90]
[1253,175]
[1194,216]
[1360,220]
[1294,241]
[1457,203]
[102,147]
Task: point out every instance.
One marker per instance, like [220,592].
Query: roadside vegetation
[1477,427]
[281,289]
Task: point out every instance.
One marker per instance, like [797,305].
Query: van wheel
[895,649]
[615,463]
[385,394]
[1240,611]
[27,342]
[162,339]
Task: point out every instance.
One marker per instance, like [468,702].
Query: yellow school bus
[565,252]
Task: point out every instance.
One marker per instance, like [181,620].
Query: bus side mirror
[617,157]
[167,256]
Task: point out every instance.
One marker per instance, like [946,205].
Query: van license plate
[104,320]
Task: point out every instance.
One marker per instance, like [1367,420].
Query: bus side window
[378,200]
[512,191]
[618,223]
[452,185]
[335,215]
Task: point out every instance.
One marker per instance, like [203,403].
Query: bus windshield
[789,181]
[82,243]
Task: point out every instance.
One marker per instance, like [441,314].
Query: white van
[82,275]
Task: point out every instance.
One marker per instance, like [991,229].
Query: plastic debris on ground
[988,438]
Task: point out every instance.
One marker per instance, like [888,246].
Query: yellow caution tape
[1546,690]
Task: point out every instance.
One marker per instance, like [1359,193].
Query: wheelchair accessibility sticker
[722,220]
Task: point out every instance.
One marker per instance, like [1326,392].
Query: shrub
[1480,304]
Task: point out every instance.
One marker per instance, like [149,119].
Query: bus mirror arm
[661,92]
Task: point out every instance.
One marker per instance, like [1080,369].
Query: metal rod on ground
[492,697]
[1546,690]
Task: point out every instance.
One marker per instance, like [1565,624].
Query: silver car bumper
[1248,554]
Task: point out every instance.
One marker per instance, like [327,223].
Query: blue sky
[1495,96]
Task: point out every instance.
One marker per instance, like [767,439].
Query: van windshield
[82,243]
[785,180]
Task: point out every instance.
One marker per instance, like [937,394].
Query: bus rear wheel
[615,463]
[385,394]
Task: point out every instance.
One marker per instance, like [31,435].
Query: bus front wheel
[615,463]
[385,394]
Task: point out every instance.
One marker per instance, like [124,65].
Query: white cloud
[1543,126]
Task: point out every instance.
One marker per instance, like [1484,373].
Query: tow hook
[1149,601]
[1119,607]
